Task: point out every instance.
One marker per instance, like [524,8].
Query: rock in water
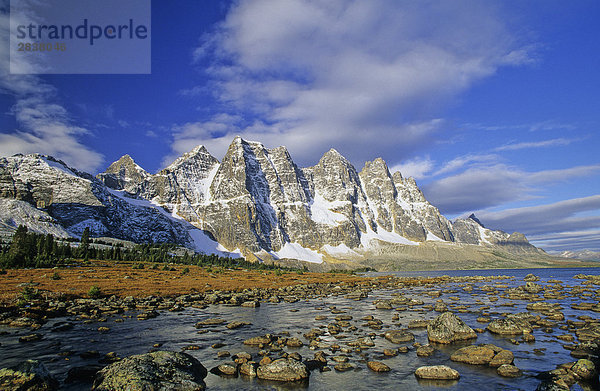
[475,355]
[162,370]
[503,357]
[532,287]
[283,369]
[531,277]
[448,328]
[249,368]
[399,336]
[509,326]
[29,375]
[425,350]
[437,372]
[584,369]
[508,370]
[377,366]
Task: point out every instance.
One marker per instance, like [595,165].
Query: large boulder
[475,355]
[259,340]
[502,357]
[162,370]
[437,372]
[28,375]
[532,287]
[584,369]
[448,328]
[531,277]
[377,366]
[509,326]
[283,369]
[399,336]
[508,370]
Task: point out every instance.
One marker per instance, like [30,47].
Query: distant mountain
[256,202]
[47,196]
[587,255]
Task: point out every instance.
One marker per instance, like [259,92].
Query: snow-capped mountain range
[255,202]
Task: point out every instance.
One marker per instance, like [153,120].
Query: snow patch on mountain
[433,238]
[483,234]
[296,251]
[122,194]
[58,166]
[15,212]
[204,244]
[367,238]
[321,211]
[204,184]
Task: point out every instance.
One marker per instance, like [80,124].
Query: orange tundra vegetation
[122,279]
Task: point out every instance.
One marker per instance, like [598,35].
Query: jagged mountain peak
[333,154]
[244,147]
[475,219]
[238,140]
[45,162]
[257,200]
[280,151]
[126,164]
[377,166]
[333,158]
[397,176]
[198,155]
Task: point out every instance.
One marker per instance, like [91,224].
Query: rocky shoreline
[355,335]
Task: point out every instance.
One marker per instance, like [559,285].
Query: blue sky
[491,106]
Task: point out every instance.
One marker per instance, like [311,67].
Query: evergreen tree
[17,251]
[49,245]
[85,243]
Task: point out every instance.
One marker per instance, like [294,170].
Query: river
[175,330]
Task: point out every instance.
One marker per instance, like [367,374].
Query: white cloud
[482,187]
[554,176]
[548,125]
[535,144]
[311,75]
[569,224]
[417,168]
[568,241]
[43,126]
[544,218]
[477,188]
[462,161]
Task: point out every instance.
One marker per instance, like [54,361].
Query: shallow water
[176,330]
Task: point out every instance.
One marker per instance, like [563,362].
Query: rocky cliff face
[48,196]
[256,200]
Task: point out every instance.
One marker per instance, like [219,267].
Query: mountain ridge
[256,201]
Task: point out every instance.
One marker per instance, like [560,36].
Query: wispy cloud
[547,125]
[536,144]
[548,218]
[417,168]
[467,160]
[311,74]
[44,126]
[494,185]
[568,241]
[570,224]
